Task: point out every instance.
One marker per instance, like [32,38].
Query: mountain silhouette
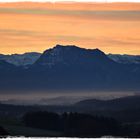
[113,104]
[73,68]
[125,59]
[21,59]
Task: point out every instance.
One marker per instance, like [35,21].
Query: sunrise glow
[30,26]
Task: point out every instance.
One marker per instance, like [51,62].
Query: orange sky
[113,27]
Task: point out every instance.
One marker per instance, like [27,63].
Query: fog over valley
[57,98]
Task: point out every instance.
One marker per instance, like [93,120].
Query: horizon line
[22,53]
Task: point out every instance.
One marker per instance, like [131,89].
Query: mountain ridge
[21,59]
[71,68]
[29,58]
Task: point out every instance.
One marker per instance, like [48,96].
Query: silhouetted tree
[73,124]
[76,124]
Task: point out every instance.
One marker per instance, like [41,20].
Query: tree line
[73,124]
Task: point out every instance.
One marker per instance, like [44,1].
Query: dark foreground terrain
[89,118]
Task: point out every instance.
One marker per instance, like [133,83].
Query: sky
[72,0]
[30,26]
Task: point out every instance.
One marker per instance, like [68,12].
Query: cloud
[121,42]
[108,15]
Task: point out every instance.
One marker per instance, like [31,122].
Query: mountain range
[70,68]
[21,59]
[31,57]
[113,104]
[125,59]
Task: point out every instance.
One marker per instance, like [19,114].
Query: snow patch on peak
[21,59]
[125,59]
